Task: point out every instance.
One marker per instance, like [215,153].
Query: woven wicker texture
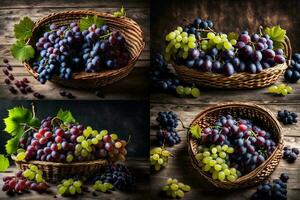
[261,117]
[132,32]
[237,80]
[54,172]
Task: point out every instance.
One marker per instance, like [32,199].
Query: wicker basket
[237,80]
[54,172]
[261,117]
[130,29]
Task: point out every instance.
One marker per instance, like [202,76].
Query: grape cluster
[290,154]
[272,190]
[215,160]
[68,49]
[102,187]
[209,51]
[20,183]
[174,188]
[252,145]
[159,158]
[160,75]
[69,187]
[287,117]
[167,123]
[280,89]
[118,175]
[187,91]
[292,74]
[56,142]
[33,174]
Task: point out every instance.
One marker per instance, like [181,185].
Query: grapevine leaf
[22,51]
[12,144]
[276,33]
[278,45]
[89,20]
[120,13]
[23,30]
[195,130]
[4,163]
[65,116]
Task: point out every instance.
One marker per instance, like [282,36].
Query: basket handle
[287,48]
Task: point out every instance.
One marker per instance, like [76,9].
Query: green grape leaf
[276,33]
[120,13]
[22,51]
[23,30]
[17,117]
[89,20]
[12,144]
[65,116]
[278,45]
[196,131]
[4,163]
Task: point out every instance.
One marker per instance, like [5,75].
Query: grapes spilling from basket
[290,154]
[118,175]
[159,158]
[277,189]
[30,179]
[199,47]
[166,133]
[233,147]
[60,142]
[175,189]
[292,74]
[68,49]
[287,117]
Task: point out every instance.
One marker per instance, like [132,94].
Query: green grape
[230,150]
[78,147]
[33,168]
[103,132]
[221,176]
[212,163]
[84,153]
[177,45]
[199,156]
[223,36]
[289,89]
[284,92]
[191,45]
[219,161]
[215,175]
[226,171]
[186,188]
[211,35]
[187,90]
[231,178]
[219,148]
[224,166]
[180,193]
[180,29]
[31,175]
[222,154]
[84,144]
[72,190]
[184,34]
[174,186]
[195,92]
[99,137]
[233,41]
[273,89]
[39,178]
[233,171]
[26,173]
[62,190]
[192,38]
[95,141]
[206,153]
[172,35]
[67,182]
[227,45]
[69,158]
[217,39]
[114,136]
[214,150]
[206,168]
[218,167]
[21,156]
[77,184]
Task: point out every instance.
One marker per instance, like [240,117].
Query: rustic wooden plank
[139,167]
[181,168]
[7,4]
[131,87]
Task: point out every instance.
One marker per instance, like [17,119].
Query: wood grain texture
[132,87]
[180,167]
[139,167]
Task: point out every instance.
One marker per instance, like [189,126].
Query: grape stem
[33,110]
[183,126]
[105,36]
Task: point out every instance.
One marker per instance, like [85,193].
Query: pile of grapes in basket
[60,142]
[199,47]
[67,49]
[233,147]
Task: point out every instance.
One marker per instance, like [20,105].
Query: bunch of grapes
[252,145]
[287,117]
[167,123]
[70,143]
[187,91]
[174,188]
[159,158]
[68,49]
[280,89]
[102,187]
[118,175]
[215,160]
[160,75]
[292,74]
[272,190]
[210,51]
[69,187]
[290,154]
[34,174]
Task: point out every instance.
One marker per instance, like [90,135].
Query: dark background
[122,117]
[227,15]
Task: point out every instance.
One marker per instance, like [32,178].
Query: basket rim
[245,177]
[58,164]
[86,75]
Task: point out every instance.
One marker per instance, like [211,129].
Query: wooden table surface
[139,167]
[186,108]
[133,86]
